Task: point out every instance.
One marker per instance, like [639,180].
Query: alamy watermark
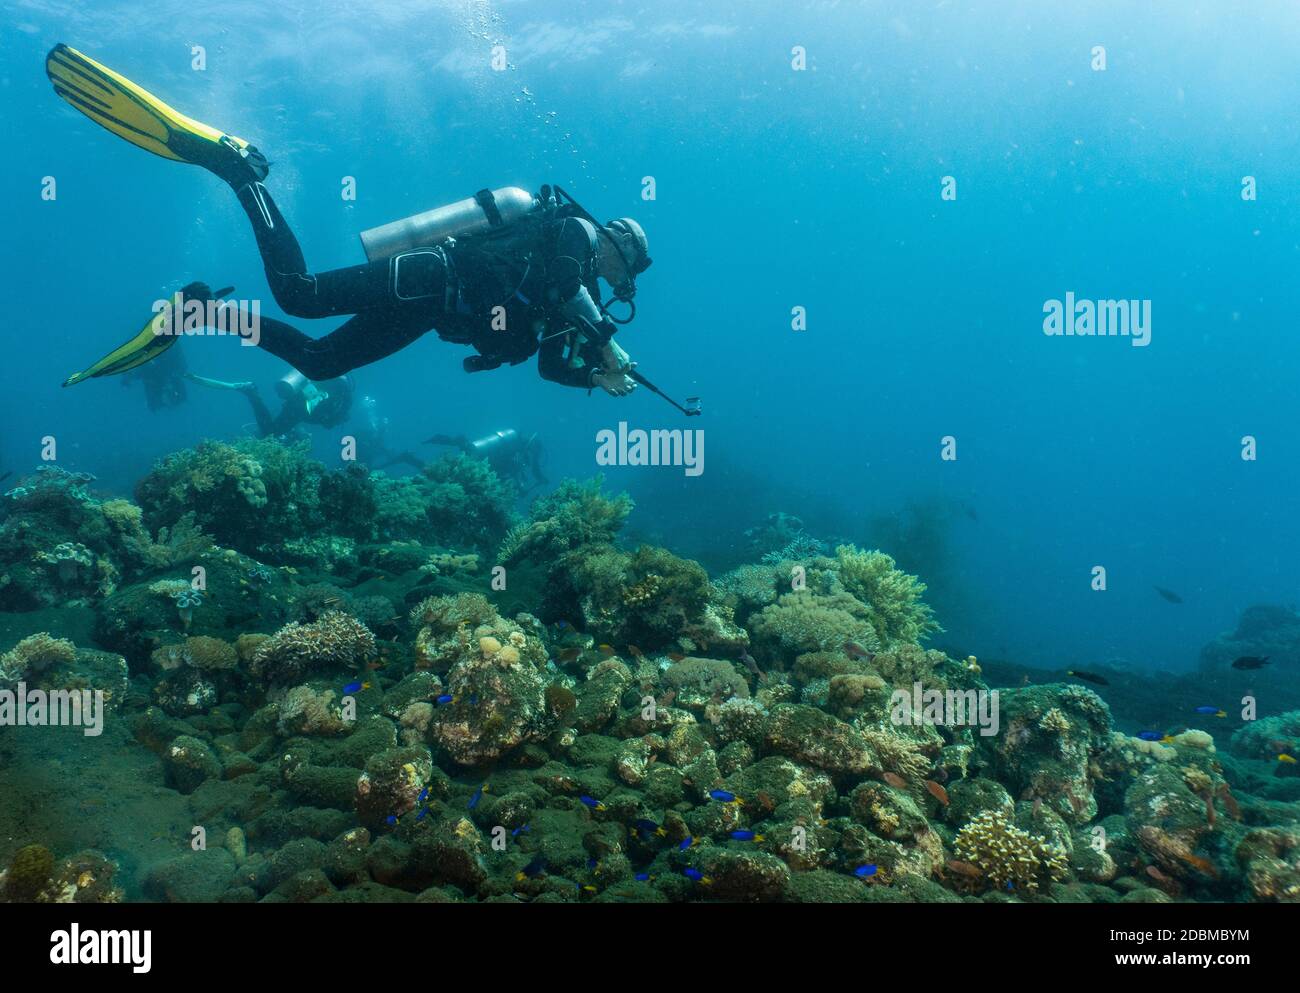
[946,708]
[21,707]
[1099,318]
[659,446]
[181,315]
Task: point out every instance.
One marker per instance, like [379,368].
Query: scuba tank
[496,441]
[485,210]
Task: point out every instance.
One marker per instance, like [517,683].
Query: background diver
[512,455]
[326,404]
[163,379]
[524,281]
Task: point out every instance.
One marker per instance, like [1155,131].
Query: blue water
[775,189]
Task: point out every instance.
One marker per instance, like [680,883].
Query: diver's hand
[612,356]
[197,291]
[616,383]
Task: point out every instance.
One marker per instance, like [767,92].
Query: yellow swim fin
[147,344]
[135,114]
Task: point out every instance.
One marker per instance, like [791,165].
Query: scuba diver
[512,455]
[326,404]
[163,380]
[510,273]
[372,440]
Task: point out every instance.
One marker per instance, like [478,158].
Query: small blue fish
[592,863]
[478,795]
[698,876]
[445,698]
[390,820]
[745,835]
[561,624]
[591,802]
[649,827]
[1150,735]
[1213,711]
[422,814]
[353,688]
[723,796]
[866,871]
[1010,886]
[424,795]
[686,843]
[642,877]
[522,829]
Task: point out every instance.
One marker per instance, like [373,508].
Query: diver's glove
[616,383]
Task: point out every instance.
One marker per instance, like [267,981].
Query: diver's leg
[265,422]
[298,292]
[366,338]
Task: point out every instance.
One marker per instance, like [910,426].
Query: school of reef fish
[354,710]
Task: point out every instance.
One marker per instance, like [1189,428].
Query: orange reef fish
[937,791]
[894,780]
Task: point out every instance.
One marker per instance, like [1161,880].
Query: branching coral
[34,653]
[573,515]
[467,505]
[1006,854]
[334,641]
[700,680]
[807,622]
[893,598]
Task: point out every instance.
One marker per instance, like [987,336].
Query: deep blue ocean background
[775,189]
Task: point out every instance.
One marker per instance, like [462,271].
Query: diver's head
[622,253]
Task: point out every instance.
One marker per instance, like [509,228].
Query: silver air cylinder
[460,219]
[493,442]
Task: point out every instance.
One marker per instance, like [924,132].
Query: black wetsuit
[542,277]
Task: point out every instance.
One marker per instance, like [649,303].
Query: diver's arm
[552,366]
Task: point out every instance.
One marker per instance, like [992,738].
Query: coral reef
[318,666]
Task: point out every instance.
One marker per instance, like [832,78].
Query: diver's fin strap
[488,201]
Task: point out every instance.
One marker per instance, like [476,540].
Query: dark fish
[752,666]
[532,870]
[1169,595]
[1088,677]
[676,656]
[855,651]
[635,652]
[569,654]
[1251,662]
[6,476]
[964,868]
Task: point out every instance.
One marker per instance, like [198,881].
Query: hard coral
[334,641]
[1005,854]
